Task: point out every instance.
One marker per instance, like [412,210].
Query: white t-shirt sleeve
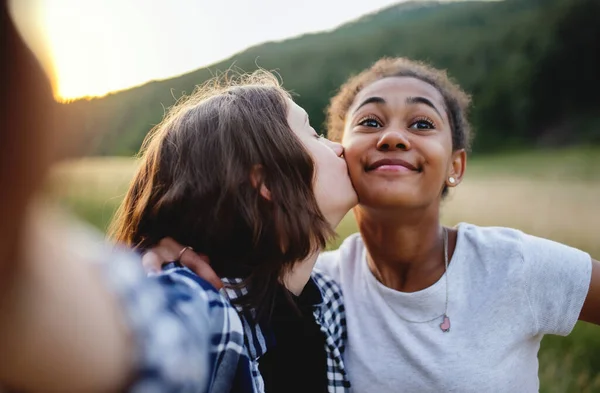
[557,280]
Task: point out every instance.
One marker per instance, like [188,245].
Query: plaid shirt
[329,314]
[188,337]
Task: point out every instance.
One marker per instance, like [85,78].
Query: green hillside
[531,66]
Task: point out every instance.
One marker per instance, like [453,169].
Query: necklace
[445,325]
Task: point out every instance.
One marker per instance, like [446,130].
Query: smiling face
[333,190]
[398,144]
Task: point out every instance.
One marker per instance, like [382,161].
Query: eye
[422,123]
[370,121]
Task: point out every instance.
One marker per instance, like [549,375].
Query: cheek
[353,151]
[437,156]
[314,149]
[327,164]
[437,153]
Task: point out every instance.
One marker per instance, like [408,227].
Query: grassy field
[554,194]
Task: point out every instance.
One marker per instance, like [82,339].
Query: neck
[405,249]
[295,280]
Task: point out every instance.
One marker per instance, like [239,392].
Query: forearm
[591,307]
[60,328]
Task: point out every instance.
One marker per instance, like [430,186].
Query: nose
[337,148]
[392,140]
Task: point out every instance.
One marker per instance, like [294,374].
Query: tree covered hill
[532,67]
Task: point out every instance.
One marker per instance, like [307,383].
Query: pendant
[445,325]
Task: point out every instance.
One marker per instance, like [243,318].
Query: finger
[200,264]
[164,254]
[152,262]
[169,248]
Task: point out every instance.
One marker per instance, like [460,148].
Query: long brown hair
[200,178]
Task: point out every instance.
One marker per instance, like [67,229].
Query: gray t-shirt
[506,290]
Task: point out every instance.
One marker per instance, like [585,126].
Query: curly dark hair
[455,99]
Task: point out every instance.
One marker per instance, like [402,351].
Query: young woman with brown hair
[237,173]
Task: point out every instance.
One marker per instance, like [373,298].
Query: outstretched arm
[76,317]
[60,328]
[591,307]
[83,316]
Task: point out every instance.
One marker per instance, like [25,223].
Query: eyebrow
[370,100]
[422,100]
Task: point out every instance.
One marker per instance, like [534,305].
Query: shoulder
[480,236]
[331,313]
[350,252]
[186,286]
[331,292]
[185,280]
[529,261]
[187,290]
[168,321]
[489,245]
[229,356]
[165,293]
[500,242]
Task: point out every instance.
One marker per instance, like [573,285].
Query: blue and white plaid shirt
[188,336]
[331,318]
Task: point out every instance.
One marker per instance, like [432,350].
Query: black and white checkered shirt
[329,314]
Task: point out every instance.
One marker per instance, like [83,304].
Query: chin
[389,199]
[335,212]
[345,197]
[351,202]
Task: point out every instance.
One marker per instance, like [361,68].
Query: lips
[392,162]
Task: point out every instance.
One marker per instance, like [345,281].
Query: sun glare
[100,46]
[76,36]
[28,17]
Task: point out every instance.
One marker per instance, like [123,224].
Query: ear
[457,168]
[257,177]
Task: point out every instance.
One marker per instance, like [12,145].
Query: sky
[92,47]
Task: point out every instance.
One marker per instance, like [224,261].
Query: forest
[531,67]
